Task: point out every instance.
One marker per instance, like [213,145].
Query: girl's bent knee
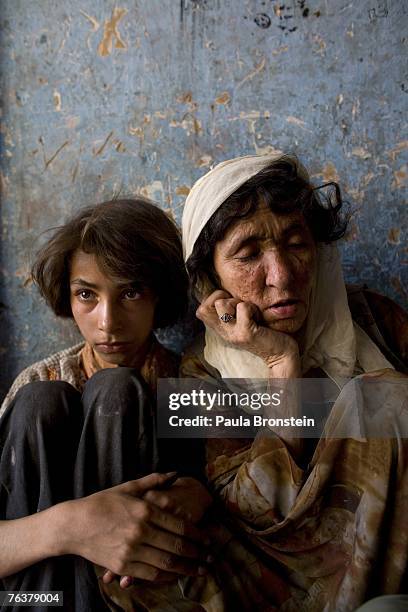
[42,401]
[114,377]
[114,389]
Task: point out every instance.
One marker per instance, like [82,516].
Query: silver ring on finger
[227,317]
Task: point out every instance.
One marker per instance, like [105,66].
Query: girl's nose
[109,318]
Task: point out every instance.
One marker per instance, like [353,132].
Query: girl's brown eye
[85,295]
[132,294]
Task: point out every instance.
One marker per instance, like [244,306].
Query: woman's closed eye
[297,244]
[248,256]
[297,241]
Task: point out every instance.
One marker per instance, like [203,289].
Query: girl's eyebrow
[120,285]
[84,283]
[130,283]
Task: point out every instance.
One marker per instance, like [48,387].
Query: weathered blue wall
[101,98]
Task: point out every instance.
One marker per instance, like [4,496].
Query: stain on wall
[103,98]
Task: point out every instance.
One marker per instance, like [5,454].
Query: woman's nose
[278,272]
[108,317]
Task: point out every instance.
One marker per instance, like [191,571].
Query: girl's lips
[116,347]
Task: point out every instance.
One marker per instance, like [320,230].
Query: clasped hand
[137,531]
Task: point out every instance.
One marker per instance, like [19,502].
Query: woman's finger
[161,499]
[175,544]
[125,582]
[169,562]
[108,577]
[226,308]
[247,314]
[143,571]
[175,526]
[206,311]
[208,315]
[219,294]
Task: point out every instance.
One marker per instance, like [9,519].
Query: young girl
[80,425]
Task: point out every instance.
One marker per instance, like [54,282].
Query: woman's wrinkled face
[269,260]
[115,318]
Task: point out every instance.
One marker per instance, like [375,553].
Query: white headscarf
[332,341]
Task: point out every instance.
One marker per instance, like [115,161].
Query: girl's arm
[113,528]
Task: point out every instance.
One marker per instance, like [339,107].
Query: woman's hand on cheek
[279,351]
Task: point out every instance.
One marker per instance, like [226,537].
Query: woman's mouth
[284,309]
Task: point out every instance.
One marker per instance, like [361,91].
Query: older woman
[312,525]
[77,431]
[319,525]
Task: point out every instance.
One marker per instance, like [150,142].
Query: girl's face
[116,319]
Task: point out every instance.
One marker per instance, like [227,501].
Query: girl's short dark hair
[283,189]
[133,240]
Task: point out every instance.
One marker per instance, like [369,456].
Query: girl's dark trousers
[58,444]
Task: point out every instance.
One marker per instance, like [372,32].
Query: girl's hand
[186,498]
[118,529]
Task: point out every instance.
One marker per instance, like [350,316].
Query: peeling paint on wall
[98,150]
[253,73]
[48,162]
[223,98]
[189,123]
[394,235]
[57,100]
[400,147]
[400,177]
[154,191]
[111,33]
[361,152]
[328,173]
[295,121]
[183,190]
